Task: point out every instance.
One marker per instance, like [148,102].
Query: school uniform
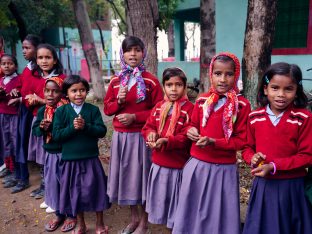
[8,118]
[209,194]
[82,180]
[166,171]
[53,154]
[130,158]
[277,202]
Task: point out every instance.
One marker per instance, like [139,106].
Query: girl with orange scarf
[164,132]
[209,195]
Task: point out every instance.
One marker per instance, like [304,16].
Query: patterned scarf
[176,111]
[231,105]
[49,110]
[127,72]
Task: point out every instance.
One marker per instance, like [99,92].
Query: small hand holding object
[45,124]
[262,170]
[151,139]
[193,134]
[79,123]
[14,93]
[257,159]
[34,99]
[122,94]
[204,141]
[126,119]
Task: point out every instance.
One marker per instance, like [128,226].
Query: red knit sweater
[177,151]
[222,152]
[141,110]
[4,108]
[288,144]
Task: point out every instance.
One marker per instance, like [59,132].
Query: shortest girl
[279,149]
[164,132]
[78,126]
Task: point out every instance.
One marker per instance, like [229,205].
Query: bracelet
[274,168]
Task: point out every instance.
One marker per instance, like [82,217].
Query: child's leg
[142,228]
[135,216]
[82,228]
[99,227]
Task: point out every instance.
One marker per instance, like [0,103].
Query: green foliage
[166,10]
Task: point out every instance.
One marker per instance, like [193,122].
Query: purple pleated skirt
[35,148]
[163,188]
[52,180]
[278,206]
[83,186]
[130,162]
[8,131]
[24,127]
[208,199]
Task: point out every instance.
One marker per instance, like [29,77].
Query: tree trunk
[88,47]
[171,39]
[144,19]
[22,31]
[258,42]
[207,40]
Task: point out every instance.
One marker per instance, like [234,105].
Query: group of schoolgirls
[175,164]
[172,162]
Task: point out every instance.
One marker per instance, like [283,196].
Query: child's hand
[193,134]
[262,170]
[126,119]
[14,93]
[34,99]
[122,94]
[257,159]
[45,124]
[79,123]
[204,141]
[160,142]
[152,137]
[14,101]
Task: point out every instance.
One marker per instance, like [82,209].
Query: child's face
[7,66]
[28,50]
[281,92]
[52,93]
[45,60]
[223,76]
[174,88]
[133,56]
[77,94]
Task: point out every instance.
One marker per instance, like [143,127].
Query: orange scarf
[231,104]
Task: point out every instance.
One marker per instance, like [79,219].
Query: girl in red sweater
[130,98]
[164,132]
[209,195]
[8,116]
[279,149]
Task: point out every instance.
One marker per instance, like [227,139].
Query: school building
[293,35]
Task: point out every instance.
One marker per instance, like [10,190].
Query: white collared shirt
[7,79]
[220,103]
[76,108]
[274,119]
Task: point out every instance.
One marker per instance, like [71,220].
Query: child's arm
[149,130]
[62,130]
[303,157]
[96,128]
[250,147]
[238,137]
[111,105]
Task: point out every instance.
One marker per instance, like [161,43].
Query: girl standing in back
[164,132]
[78,126]
[209,195]
[279,149]
[130,98]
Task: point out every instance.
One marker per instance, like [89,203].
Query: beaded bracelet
[274,168]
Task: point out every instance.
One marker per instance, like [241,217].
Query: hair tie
[266,79]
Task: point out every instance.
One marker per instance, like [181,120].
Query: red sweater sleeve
[238,137]
[303,157]
[249,148]
[150,125]
[111,106]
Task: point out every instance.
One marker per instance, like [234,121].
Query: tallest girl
[130,97]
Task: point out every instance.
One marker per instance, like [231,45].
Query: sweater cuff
[220,143]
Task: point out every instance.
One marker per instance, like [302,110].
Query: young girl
[8,117]
[47,65]
[131,97]
[209,195]
[164,133]
[279,149]
[78,126]
[24,116]
[43,127]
